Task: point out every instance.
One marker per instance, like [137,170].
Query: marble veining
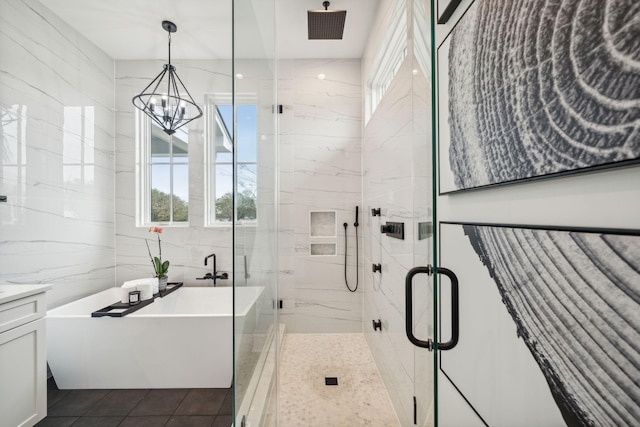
[57,164]
[320,170]
[393,179]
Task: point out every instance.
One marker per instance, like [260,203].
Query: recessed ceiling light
[321,76]
[239,76]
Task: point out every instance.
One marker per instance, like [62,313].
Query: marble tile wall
[320,170]
[259,243]
[57,167]
[387,184]
[397,179]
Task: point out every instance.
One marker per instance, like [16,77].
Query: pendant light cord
[346,281]
[169,69]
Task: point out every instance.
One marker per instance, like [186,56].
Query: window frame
[211,114]
[394,49]
[143,175]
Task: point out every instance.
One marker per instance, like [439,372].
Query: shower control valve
[393,229]
[376,268]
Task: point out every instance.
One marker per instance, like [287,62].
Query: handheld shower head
[355,224]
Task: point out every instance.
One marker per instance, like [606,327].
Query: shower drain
[331,380]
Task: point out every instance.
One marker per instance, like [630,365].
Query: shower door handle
[455,318]
[455,314]
[408,283]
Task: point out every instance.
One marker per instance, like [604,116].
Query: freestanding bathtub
[183,340]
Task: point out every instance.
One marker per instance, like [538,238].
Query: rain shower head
[326,24]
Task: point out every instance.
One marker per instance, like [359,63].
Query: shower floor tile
[359,399]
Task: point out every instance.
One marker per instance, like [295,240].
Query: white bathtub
[183,340]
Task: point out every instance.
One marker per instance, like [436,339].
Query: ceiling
[131,29]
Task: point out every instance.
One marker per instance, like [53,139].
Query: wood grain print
[534,88]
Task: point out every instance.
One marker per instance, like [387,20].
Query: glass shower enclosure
[255,241]
[255,227]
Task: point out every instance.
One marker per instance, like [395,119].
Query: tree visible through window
[246,184]
[169,176]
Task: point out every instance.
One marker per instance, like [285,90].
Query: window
[163,178]
[390,56]
[219,162]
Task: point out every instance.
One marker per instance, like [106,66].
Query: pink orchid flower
[160,268]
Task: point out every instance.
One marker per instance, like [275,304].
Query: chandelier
[168,103]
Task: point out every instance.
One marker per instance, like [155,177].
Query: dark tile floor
[138,408]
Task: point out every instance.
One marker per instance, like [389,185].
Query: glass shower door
[255,213]
[419,283]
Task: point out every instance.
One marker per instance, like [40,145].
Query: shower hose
[346,281]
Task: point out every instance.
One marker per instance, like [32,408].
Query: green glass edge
[434,195]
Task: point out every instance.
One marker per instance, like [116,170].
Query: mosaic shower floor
[359,399]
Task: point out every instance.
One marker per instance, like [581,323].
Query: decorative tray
[120,309]
[171,286]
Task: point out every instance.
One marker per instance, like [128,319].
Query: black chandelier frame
[171,114]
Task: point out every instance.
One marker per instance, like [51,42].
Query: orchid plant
[159,267]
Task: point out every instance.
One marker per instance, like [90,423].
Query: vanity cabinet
[23,354]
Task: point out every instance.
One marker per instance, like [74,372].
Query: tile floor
[359,399]
[138,408]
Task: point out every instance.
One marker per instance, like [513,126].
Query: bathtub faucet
[215,275]
[214,260]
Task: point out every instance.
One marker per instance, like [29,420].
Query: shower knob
[385,228]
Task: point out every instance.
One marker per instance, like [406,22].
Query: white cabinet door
[23,388]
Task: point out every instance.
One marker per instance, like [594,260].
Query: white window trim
[392,53]
[211,100]
[143,175]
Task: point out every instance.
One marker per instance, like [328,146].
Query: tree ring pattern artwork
[574,297]
[530,89]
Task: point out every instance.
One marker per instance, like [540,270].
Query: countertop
[10,293]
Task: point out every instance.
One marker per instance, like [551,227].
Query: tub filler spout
[215,275]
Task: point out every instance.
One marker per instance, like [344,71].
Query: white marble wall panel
[286,155]
[320,170]
[56,97]
[261,244]
[395,157]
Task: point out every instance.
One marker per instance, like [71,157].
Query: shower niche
[322,229]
